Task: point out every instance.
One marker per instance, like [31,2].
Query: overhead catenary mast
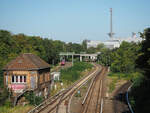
[111,27]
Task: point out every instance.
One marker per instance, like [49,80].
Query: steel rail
[94,73]
[99,100]
[53,99]
[91,92]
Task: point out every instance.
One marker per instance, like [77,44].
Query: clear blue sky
[74,20]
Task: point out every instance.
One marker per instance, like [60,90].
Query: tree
[84,45]
[120,59]
[124,57]
[91,50]
[105,57]
[100,47]
[143,61]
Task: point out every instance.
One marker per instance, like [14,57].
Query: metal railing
[127,98]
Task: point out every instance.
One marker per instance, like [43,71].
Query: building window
[18,79]
[24,78]
[13,79]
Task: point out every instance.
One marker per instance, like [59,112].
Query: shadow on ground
[119,101]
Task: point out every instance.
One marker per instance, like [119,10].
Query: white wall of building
[114,42]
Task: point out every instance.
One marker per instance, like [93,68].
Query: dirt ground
[115,101]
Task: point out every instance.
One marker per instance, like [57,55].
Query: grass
[74,73]
[17,109]
[115,77]
[112,85]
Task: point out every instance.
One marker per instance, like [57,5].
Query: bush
[1,79]
[74,73]
[135,77]
[33,99]
[8,103]
[3,96]
[112,85]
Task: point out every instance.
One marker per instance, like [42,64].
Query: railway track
[93,100]
[52,104]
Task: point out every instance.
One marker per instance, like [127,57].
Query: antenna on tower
[111,27]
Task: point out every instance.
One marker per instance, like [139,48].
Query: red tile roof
[27,61]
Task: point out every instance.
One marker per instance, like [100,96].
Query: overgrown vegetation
[33,99]
[135,77]
[74,73]
[17,109]
[4,94]
[112,85]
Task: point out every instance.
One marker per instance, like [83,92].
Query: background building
[114,42]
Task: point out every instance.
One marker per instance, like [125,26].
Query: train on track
[62,63]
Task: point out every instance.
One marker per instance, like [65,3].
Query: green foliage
[141,89]
[135,77]
[99,48]
[3,96]
[16,109]
[112,85]
[73,73]
[84,45]
[91,50]
[1,79]
[13,45]
[121,59]
[33,99]
[143,61]
[8,103]
[105,57]
[140,95]
[124,58]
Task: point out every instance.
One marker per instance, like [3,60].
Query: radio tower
[111,29]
